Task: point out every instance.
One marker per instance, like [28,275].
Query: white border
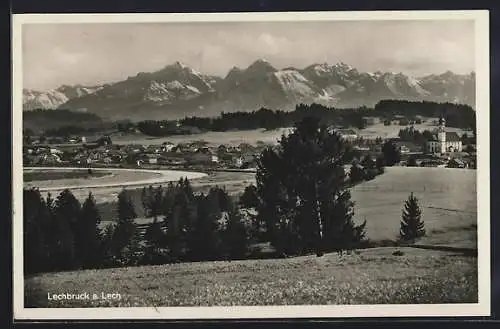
[482,308]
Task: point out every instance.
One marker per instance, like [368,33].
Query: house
[456,163]
[48,159]
[347,134]
[443,141]
[55,151]
[172,160]
[244,161]
[168,146]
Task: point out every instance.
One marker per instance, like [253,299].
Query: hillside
[49,119]
[178,90]
[370,276]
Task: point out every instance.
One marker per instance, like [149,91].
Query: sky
[94,53]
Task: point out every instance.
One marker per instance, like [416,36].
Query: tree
[88,238]
[412,226]
[36,241]
[125,245]
[154,253]
[249,198]
[412,161]
[235,235]
[343,234]
[299,184]
[67,211]
[180,221]
[391,153]
[356,173]
[152,199]
[203,238]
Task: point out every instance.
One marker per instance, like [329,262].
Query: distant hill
[40,119]
[177,91]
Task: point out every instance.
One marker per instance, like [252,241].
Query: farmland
[32,175]
[380,130]
[106,187]
[447,196]
[372,131]
[212,138]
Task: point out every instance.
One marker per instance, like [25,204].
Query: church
[443,141]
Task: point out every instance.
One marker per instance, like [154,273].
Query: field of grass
[31,176]
[370,276]
[212,137]
[380,130]
[447,197]
[267,136]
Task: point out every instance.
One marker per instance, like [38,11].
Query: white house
[443,141]
[348,134]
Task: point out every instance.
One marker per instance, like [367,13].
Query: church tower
[442,134]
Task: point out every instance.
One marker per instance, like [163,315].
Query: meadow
[447,197]
[369,276]
[213,138]
[34,176]
[378,129]
[236,137]
[380,275]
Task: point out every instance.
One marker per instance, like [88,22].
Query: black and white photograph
[251,165]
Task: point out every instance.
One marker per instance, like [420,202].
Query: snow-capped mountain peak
[181,89]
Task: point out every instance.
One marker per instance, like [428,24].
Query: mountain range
[177,91]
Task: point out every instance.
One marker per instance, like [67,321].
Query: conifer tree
[203,240]
[67,212]
[35,242]
[155,241]
[249,198]
[235,235]
[298,183]
[412,226]
[391,153]
[124,243]
[152,201]
[89,235]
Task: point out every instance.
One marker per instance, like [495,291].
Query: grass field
[447,197]
[106,188]
[212,138]
[370,276]
[266,136]
[31,176]
[380,130]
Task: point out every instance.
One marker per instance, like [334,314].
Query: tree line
[63,234]
[456,115]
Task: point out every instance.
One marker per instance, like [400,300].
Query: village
[441,149]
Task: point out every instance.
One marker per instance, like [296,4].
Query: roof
[347,132]
[450,137]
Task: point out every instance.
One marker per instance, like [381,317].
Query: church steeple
[442,121]
[442,134]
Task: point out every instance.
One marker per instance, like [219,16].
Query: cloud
[65,58]
[84,53]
